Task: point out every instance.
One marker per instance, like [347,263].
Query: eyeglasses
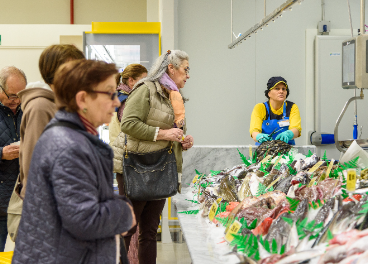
[12,97]
[187,69]
[112,95]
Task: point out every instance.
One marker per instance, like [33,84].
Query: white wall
[226,84]
[22,45]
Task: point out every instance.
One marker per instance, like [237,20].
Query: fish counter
[280,206]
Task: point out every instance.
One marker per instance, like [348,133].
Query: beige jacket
[38,105]
[148,109]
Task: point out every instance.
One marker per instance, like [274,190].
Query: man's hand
[10,152]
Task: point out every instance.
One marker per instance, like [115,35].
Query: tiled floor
[173,253]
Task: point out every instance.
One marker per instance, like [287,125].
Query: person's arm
[135,114]
[257,117]
[34,121]
[76,190]
[295,121]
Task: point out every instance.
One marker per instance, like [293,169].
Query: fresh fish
[323,214]
[293,239]
[284,184]
[254,183]
[244,190]
[227,189]
[243,259]
[298,165]
[267,180]
[323,234]
[279,230]
[302,177]
[334,255]
[301,211]
[301,256]
[310,162]
[291,192]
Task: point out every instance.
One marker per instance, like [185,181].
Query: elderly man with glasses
[12,81]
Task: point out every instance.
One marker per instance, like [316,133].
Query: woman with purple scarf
[154,117]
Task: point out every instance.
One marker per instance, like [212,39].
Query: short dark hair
[79,75]
[54,56]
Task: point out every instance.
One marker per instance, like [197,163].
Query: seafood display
[288,210]
[273,148]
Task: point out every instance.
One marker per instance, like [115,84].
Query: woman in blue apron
[276,118]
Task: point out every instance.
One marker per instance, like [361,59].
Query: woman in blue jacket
[70,212]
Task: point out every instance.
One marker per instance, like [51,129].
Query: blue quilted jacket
[70,212]
[9,169]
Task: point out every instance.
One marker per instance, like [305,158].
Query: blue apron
[269,125]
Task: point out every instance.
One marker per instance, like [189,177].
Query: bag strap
[63,124]
[126,146]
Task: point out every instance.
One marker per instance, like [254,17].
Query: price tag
[233,230]
[250,152]
[316,166]
[213,211]
[266,158]
[272,183]
[218,201]
[330,167]
[195,179]
[230,220]
[312,182]
[351,180]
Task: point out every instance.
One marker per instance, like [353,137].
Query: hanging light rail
[264,22]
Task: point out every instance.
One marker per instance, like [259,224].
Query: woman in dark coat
[70,212]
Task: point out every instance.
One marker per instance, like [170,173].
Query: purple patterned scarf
[125,88]
[169,84]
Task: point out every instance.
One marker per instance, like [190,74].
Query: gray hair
[6,72]
[159,67]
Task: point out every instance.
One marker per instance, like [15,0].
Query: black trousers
[147,214]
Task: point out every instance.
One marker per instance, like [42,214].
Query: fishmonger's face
[278,93]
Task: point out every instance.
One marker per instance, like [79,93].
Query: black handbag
[150,176]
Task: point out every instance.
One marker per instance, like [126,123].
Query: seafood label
[315,167]
[266,158]
[250,152]
[330,167]
[219,200]
[312,182]
[195,179]
[233,230]
[351,180]
[213,211]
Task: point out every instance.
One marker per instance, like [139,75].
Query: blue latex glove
[263,137]
[285,136]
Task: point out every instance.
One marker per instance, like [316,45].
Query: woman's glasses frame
[112,95]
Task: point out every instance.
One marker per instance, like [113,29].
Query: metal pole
[336,130]
[351,24]
[362,17]
[264,8]
[231,33]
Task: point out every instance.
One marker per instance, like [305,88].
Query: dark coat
[70,212]
[9,169]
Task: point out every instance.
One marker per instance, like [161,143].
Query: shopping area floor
[172,253]
[168,253]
